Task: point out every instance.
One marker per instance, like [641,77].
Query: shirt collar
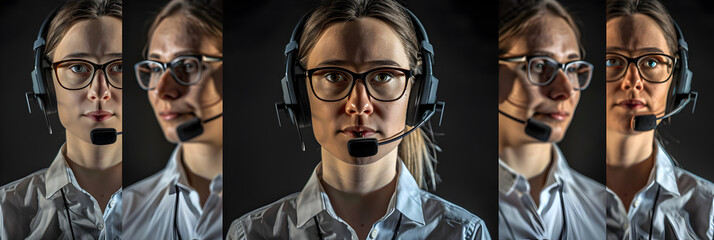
[509,179]
[664,171]
[175,173]
[313,199]
[57,175]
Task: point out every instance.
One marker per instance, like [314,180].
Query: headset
[681,90]
[43,87]
[422,98]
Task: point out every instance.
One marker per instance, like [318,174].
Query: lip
[358,131]
[556,115]
[169,115]
[632,104]
[99,115]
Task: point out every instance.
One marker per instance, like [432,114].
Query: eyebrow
[549,54]
[646,49]
[335,62]
[87,55]
[181,53]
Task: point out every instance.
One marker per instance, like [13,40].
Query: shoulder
[264,219]
[689,183]
[436,209]
[18,191]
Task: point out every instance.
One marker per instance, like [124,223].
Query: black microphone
[103,136]
[192,128]
[367,147]
[534,128]
[648,122]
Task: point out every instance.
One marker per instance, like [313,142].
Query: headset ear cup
[305,118]
[414,110]
[50,100]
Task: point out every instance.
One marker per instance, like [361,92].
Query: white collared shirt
[684,206]
[150,206]
[34,207]
[412,212]
[583,200]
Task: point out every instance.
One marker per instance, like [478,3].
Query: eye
[116,68]
[78,68]
[651,63]
[189,66]
[612,62]
[334,77]
[382,77]
[156,69]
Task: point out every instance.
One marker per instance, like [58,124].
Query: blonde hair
[416,149]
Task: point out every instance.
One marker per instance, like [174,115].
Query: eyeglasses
[76,74]
[186,70]
[653,67]
[541,70]
[333,83]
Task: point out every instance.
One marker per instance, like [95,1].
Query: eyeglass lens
[78,74]
[335,84]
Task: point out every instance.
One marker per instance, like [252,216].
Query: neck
[203,159]
[203,162]
[625,150]
[630,159]
[360,194]
[98,169]
[529,159]
[90,156]
[358,179]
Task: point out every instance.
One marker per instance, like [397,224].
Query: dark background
[25,143]
[268,163]
[584,143]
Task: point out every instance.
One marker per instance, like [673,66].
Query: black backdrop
[267,163]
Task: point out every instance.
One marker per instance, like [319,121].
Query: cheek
[659,95]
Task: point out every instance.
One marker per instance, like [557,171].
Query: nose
[167,88]
[561,88]
[632,79]
[359,102]
[99,88]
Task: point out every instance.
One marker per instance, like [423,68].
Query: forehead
[95,40]
[548,35]
[359,44]
[636,34]
[174,36]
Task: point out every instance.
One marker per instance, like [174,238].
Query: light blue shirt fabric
[683,210]
[423,216]
[583,199]
[151,204]
[33,207]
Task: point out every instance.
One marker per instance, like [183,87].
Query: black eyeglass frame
[356,76]
[562,66]
[637,65]
[169,65]
[94,65]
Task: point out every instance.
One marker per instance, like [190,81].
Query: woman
[183,76]
[541,76]
[359,56]
[649,195]
[79,195]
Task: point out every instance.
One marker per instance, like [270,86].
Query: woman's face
[555,103]
[358,46]
[634,36]
[99,105]
[174,103]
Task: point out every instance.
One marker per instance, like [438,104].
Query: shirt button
[111,203]
[100,226]
[625,226]
[636,202]
[374,233]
